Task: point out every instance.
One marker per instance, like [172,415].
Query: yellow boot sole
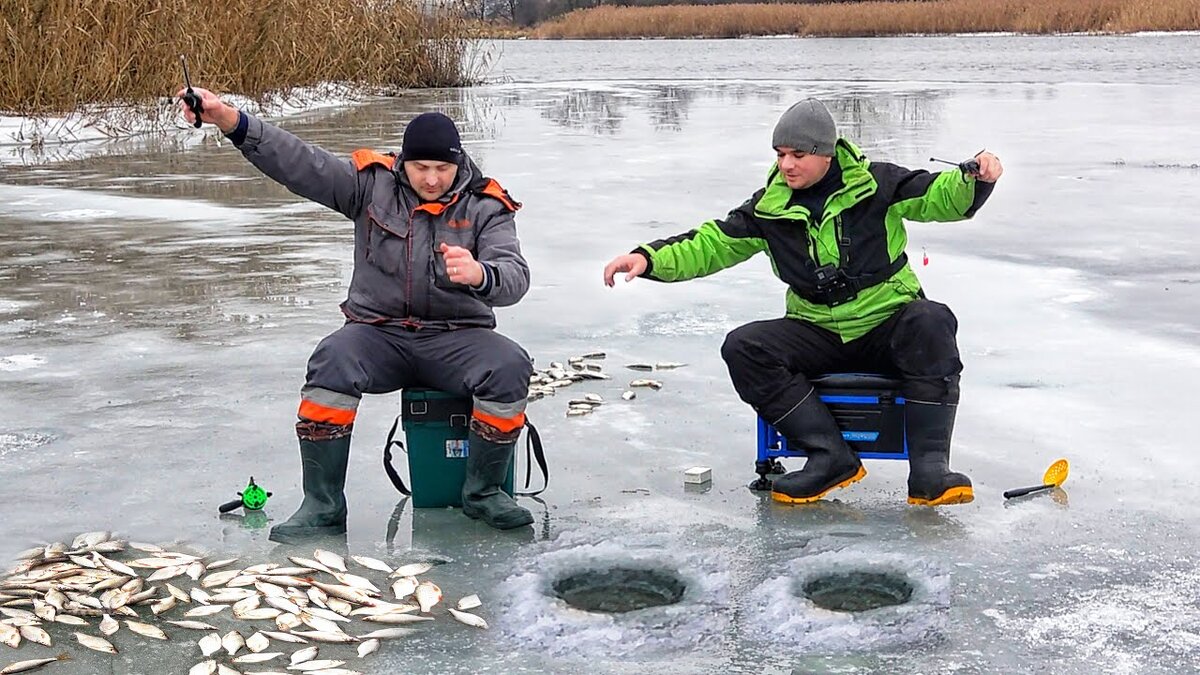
[787,499]
[955,495]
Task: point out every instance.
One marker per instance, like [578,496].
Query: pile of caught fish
[543,383]
[317,600]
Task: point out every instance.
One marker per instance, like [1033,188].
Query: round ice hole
[619,589]
[857,591]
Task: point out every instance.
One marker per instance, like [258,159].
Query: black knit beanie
[431,136]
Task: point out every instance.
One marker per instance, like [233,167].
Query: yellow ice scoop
[1054,477]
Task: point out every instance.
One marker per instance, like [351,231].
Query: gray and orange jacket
[861,232]
[399,274]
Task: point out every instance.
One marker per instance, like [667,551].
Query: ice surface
[152,345]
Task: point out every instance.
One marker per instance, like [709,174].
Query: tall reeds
[57,56]
[876,18]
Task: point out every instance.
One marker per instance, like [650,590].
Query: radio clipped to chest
[835,287]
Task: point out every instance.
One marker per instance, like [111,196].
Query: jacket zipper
[412,231]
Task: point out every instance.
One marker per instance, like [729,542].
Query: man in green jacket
[832,223]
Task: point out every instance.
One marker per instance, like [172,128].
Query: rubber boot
[323,511]
[483,496]
[929,427]
[831,462]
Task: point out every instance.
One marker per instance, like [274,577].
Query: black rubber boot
[323,511]
[930,481]
[831,462]
[483,496]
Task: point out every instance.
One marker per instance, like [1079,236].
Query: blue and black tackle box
[868,409]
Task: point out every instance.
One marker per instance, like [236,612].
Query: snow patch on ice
[782,617]
[75,215]
[534,617]
[11,306]
[1122,623]
[16,442]
[20,362]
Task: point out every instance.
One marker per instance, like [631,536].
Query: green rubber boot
[483,496]
[323,511]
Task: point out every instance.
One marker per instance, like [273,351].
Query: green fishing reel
[253,498]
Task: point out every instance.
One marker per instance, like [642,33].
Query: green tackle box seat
[436,425]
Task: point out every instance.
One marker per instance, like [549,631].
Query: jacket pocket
[387,240]
[454,236]
[902,287]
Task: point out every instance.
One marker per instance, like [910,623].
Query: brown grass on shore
[57,56]
[877,18]
[499,30]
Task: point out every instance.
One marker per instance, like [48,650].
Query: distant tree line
[530,12]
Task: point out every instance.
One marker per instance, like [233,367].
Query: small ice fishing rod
[190,97]
[253,498]
[969,167]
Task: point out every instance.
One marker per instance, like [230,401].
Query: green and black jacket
[861,232]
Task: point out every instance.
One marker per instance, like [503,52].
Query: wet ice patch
[704,321]
[20,362]
[779,614]
[1031,384]
[536,617]
[17,442]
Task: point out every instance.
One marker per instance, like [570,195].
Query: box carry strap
[533,452]
[387,459]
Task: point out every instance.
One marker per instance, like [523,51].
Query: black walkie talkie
[969,167]
[191,98]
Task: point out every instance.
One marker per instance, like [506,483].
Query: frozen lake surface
[159,300]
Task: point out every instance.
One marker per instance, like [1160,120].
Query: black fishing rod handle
[229,506]
[1020,492]
[192,99]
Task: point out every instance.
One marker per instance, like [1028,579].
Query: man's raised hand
[215,112]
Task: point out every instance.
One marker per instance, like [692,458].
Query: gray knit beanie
[808,127]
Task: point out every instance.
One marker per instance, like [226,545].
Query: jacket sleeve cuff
[238,135]
[485,286]
[982,192]
[641,250]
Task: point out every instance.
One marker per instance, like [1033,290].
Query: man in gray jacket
[435,249]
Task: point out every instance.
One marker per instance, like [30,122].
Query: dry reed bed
[60,55]
[877,18]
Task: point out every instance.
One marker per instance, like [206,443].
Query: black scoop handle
[1020,492]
